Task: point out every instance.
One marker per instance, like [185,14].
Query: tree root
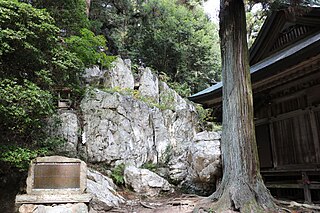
[223,205]
[239,197]
[293,204]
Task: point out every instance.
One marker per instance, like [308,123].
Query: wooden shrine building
[285,74]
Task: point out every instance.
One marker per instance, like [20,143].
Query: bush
[90,48]
[117,174]
[18,157]
[150,166]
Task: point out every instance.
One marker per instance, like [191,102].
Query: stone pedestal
[62,208]
[55,184]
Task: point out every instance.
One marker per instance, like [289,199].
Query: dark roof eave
[274,59]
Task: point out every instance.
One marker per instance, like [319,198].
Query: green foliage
[70,15]
[206,120]
[202,113]
[178,41]
[255,19]
[183,89]
[51,144]
[171,37]
[216,127]
[30,47]
[18,157]
[150,166]
[23,106]
[26,38]
[66,67]
[117,174]
[90,48]
[33,61]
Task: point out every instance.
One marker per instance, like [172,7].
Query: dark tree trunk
[242,188]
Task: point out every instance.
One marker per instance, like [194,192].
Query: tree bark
[242,188]
[88,2]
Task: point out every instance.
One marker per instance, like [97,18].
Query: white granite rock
[119,75]
[121,129]
[149,85]
[204,159]
[103,190]
[145,182]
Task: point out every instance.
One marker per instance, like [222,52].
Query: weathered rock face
[145,182]
[204,158]
[94,75]
[104,192]
[149,85]
[66,125]
[119,127]
[119,75]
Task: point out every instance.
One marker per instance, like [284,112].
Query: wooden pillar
[306,189]
[315,134]
[272,139]
[273,145]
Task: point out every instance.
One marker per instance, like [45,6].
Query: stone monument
[55,182]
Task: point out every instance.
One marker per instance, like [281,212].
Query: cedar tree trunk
[242,188]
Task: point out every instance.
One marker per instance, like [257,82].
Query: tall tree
[173,37]
[69,15]
[242,188]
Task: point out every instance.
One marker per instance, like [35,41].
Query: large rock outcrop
[121,129]
[151,124]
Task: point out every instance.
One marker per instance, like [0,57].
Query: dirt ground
[165,203]
[184,203]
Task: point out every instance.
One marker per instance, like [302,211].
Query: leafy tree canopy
[30,47]
[70,15]
[33,61]
[90,48]
[173,37]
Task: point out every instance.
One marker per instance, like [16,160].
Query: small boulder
[145,181]
[103,190]
[204,158]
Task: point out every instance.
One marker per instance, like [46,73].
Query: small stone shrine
[55,183]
